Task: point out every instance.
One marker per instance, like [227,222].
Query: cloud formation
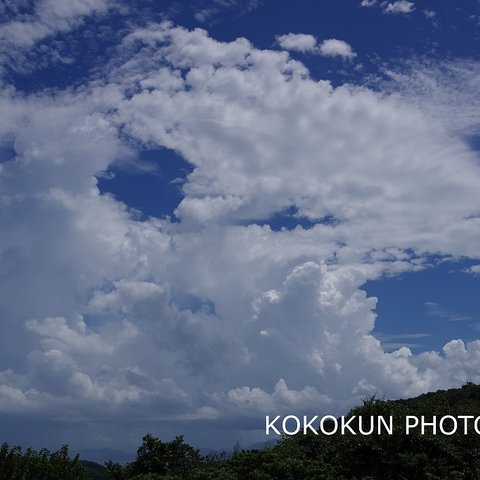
[301,42]
[210,10]
[399,7]
[436,310]
[216,318]
[474,269]
[368,3]
[427,85]
[336,48]
[28,24]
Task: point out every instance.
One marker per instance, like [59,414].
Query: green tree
[156,459]
[42,465]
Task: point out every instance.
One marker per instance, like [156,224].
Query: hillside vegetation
[418,455]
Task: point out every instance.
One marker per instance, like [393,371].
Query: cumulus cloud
[300,42]
[216,317]
[336,48]
[399,7]
[368,3]
[255,400]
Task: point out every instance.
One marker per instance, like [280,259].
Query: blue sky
[214,211]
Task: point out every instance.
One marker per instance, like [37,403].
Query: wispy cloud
[436,310]
[432,87]
[394,342]
[217,7]
[47,18]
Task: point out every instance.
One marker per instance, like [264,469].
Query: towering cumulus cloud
[216,318]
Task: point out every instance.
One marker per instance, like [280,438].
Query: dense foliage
[326,457]
[42,465]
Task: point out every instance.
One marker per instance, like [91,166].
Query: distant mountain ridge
[104,454]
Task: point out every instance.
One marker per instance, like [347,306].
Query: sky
[213,211]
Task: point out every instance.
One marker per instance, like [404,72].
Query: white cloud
[299,42]
[58,334]
[429,13]
[336,48]
[368,3]
[283,399]
[399,7]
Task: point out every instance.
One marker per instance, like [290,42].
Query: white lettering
[475,425]
[453,419]
[465,424]
[333,420]
[408,424]
[270,425]
[346,424]
[308,425]
[360,426]
[432,424]
[297,423]
[388,428]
